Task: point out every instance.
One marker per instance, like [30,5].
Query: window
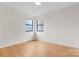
[28,25]
[40,25]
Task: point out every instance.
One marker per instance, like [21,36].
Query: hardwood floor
[38,48]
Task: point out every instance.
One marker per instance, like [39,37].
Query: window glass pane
[40,22]
[40,25]
[28,25]
[28,28]
[28,21]
[40,28]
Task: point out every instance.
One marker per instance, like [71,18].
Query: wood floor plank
[38,48]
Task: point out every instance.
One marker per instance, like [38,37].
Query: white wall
[12,27]
[61,27]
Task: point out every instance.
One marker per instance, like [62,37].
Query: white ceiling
[32,9]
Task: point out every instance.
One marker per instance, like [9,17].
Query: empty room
[39,29]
